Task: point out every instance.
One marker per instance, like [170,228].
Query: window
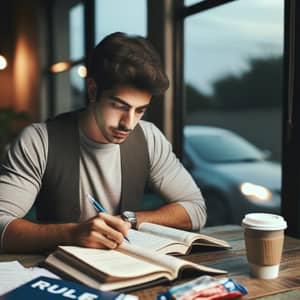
[68,70]
[233,76]
[76,21]
[130,17]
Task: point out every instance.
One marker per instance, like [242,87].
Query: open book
[169,240]
[127,266]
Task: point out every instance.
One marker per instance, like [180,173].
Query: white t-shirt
[100,175]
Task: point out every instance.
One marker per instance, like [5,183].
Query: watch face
[129,216]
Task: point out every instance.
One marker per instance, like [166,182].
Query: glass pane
[68,36]
[191,2]
[68,31]
[217,145]
[233,83]
[130,17]
[70,89]
[76,19]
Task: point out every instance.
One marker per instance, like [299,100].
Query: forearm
[22,236]
[101,231]
[173,215]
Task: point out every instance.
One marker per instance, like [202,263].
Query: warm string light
[60,67]
[65,66]
[3,62]
[82,71]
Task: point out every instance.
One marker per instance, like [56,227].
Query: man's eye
[141,111]
[118,105]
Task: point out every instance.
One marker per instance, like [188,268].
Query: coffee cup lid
[264,221]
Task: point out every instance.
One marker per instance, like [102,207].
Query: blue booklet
[55,289]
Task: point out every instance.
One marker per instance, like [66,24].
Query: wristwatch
[130,216]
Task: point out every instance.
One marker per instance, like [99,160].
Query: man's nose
[128,119]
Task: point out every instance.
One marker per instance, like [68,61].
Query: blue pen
[96,204]
[99,208]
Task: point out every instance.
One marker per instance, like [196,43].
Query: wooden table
[286,286]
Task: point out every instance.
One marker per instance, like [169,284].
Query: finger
[95,233]
[105,229]
[116,223]
[100,240]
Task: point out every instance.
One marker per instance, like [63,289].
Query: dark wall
[20,43]
[7,50]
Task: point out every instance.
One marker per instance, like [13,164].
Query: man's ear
[92,89]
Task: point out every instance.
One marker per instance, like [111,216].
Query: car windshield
[224,148]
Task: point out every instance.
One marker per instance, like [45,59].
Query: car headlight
[256,192]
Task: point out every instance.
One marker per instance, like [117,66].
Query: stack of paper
[13,274]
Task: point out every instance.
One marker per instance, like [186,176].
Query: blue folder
[46,288]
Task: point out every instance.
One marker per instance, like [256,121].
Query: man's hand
[102,231]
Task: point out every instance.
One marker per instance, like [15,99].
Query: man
[103,150]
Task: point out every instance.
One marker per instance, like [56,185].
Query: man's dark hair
[120,59]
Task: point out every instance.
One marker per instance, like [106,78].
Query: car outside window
[218,148]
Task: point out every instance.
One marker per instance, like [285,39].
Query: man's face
[118,111]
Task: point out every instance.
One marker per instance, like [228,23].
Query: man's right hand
[101,231]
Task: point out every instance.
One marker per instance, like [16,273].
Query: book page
[167,262]
[84,278]
[183,236]
[201,239]
[111,262]
[166,232]
[155,242]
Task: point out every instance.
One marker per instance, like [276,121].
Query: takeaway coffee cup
[264,236]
